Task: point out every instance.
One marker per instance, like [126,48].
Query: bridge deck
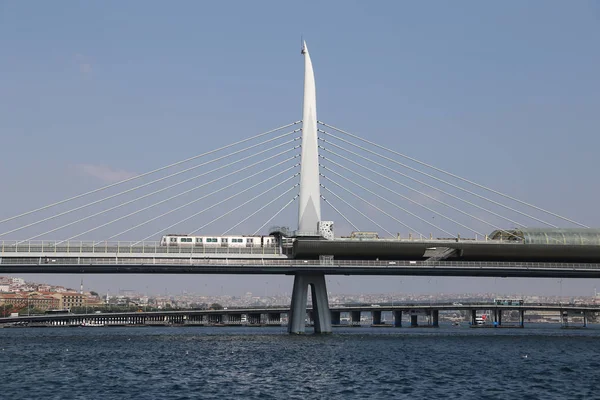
[161,264]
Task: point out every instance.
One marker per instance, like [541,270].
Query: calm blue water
[541,362]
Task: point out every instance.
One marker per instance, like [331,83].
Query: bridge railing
[308,264]
[125,247]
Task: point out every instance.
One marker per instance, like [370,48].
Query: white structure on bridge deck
[309,212]
[309,209]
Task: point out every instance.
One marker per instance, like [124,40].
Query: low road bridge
[277,316]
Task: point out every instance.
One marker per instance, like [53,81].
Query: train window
[186,240]
[198,240]
[173,240]
[223,240]
[249,240]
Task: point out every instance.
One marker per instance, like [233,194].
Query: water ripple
[266,363]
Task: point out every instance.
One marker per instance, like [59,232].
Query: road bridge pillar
[274,318]
[499,317]
[336,318]
[473,317]
[376,316]
[320,304]
[414,320]
[355,317]
[585,319]
[398,318]
[521,318]
[254,318]
[435,318]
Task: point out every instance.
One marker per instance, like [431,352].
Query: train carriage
[182,240]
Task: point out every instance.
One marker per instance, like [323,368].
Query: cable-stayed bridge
[407,217]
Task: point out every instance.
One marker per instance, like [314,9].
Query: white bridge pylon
[309,208]
[309,212]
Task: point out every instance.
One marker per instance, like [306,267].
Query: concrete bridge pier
[499,317]
[254,318]
[414,320]
[398,318]
[585,319]
[214,318]
[473,317]
[320,304]
[565,318]
[355,317]
[521,318]
[435,318]
[274,318]
[336,318]
[376,316]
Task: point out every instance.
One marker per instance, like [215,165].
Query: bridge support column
[585,319]
[376,317]
[435,318]
[521,318]
[414,320]
[398,318]
[322,315]
[473,317]
[274,318]
[499,317]
[565,318]
[336,318]
[355,317]
[254,318]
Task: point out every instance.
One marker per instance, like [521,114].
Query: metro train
[182,240]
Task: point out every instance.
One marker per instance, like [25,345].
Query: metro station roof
[570,236]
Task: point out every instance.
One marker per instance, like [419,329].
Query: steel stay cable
[339,212]
[214,205]
[248,201]
[355,209]
[371,204]
[401,208]
[146,195]
[415,190]
[193,201]
[276,214]
[152,182]
[259,210]
[147,207]
[148,173]
[441,180]
[456,176]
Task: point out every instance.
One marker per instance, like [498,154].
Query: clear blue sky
[504,94]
